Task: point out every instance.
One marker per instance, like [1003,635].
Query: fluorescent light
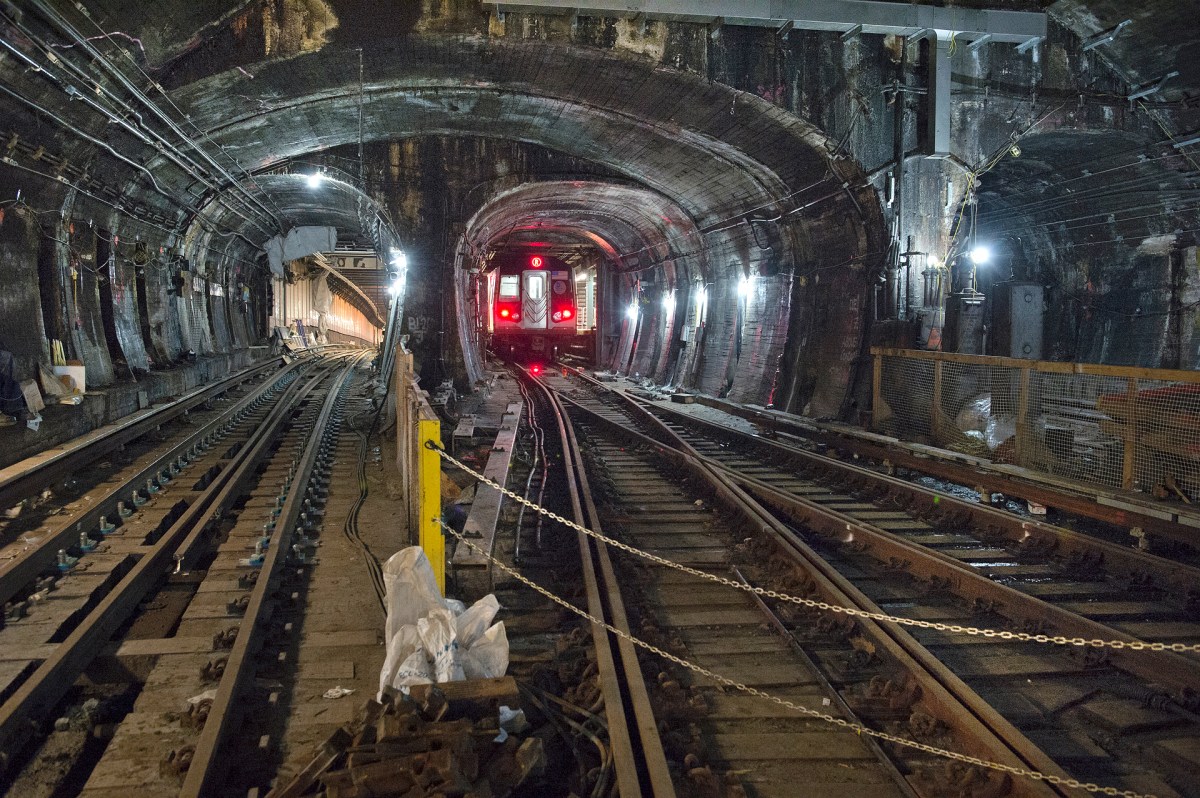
[632,310]
[744,285]
[314,180]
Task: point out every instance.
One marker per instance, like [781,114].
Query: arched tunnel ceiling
[718,153]
[635,228]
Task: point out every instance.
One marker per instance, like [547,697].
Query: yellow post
[430,481]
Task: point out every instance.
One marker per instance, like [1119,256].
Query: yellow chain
[858,728]
[1000,634]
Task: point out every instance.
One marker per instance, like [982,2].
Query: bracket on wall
[980,42]
[784,29]
[853,33]
[1106,36]
[1032,44]
[1154,87]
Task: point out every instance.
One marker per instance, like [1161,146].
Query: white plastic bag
[431,639]
[412,590]
[414,670]
[441,645]
[399,648]
[488,657]
[472,623]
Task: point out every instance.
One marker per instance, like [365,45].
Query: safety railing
[419,465]
[1116,426]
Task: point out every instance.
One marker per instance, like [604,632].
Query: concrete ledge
[61,423]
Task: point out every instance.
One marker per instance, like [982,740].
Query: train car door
[534,300]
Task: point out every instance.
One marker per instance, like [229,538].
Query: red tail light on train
[508,312]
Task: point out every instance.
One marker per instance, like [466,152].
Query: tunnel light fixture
[701,303]
[932,262]
[399,258]
[980,255]
[397,286]
[314,180]
[632,310]
[745,285]
[669,303]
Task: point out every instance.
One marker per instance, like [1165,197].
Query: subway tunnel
[959,237]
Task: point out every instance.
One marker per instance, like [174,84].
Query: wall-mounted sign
[353,263]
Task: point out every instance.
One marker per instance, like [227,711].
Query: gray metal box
[964,324]
[1018,311]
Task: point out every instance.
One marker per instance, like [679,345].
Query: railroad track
[1118,715]
[209,517]
[607,707]
[719,733]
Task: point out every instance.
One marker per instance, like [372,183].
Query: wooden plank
[1130,438]
[485,510]
[1043,366]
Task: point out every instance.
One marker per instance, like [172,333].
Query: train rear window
[510,286]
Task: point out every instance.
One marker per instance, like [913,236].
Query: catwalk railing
[1116,426]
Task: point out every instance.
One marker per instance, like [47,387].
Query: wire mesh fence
[1120,427]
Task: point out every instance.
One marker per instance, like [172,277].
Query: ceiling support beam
[939,97]
[840,16]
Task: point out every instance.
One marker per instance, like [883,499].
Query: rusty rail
[641,763]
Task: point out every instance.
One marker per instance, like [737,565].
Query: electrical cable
[55,18]
[141,130]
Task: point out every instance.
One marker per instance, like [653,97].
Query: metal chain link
[858,728]
[999,634]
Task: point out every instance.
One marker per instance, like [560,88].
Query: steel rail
[47,685]
[638,754]
[1157,667]
[990,478]
[984,731]
[49,468]
[1180,578]
[201,777]
[15,574]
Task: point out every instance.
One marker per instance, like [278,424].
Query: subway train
[533,313]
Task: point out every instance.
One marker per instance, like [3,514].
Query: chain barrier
[999,634]
[858,728]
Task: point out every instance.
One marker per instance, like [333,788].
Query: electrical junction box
[1018,314]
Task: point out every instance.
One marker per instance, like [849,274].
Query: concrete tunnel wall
[460,106]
